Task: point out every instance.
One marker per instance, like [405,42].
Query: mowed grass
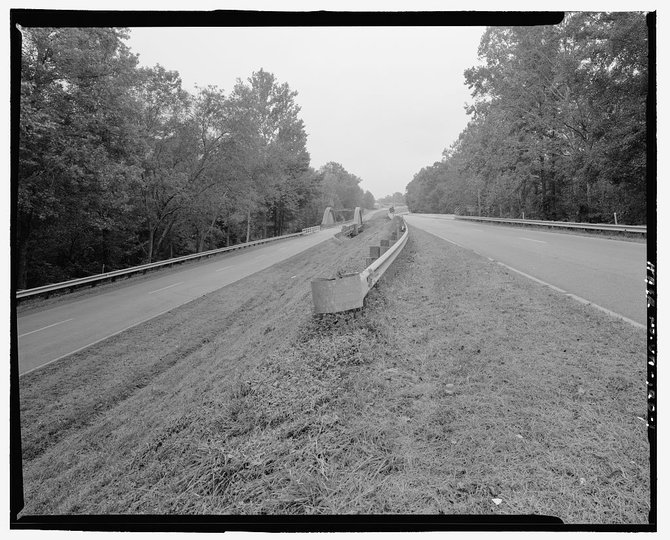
[458,383]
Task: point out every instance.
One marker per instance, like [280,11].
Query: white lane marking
[95,342]
[224,268]
[168,287]
[40,329]
[531,240]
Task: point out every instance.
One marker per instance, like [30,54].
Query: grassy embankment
[457,383]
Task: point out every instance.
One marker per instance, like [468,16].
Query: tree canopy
[557,128]
[119,165]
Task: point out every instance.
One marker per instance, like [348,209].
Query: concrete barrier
[358,216]
[328,217]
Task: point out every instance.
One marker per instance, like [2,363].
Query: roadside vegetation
[120,165]
[458,388]
[557,127]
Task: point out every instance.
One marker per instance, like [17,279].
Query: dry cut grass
[458,383]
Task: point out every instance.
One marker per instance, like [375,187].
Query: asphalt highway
[53,333]
[608,273]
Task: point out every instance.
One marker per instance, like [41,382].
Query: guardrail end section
[337,294]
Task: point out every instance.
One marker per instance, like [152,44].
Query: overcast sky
[382,101]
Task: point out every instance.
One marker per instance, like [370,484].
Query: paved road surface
[55,332]
[606,272]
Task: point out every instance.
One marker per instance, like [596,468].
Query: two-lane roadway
[606,272]
[47,335]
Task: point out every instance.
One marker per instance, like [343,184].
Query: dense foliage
[395,198]
[557,128]
[119,165]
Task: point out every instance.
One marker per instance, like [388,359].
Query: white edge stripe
[579,299]
[557,289]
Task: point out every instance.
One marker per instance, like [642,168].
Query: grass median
[460,388]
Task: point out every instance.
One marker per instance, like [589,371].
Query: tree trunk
[23,235]
[205,234]
[248,224]
[22,264]
[166,232]
[103,248]
[200,242]
[152,233]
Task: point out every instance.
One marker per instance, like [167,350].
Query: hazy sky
[382,101]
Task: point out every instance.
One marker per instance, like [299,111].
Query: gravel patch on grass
[458,383]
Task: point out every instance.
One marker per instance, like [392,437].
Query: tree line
[119,165]
[557,128]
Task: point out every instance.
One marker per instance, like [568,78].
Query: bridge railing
[112,276]
[636,229]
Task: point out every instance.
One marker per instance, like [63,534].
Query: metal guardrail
[74,283]
[350,230]
[349,291]
[372,273]
[638,229]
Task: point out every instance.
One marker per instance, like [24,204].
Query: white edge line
[169,286]
[40,329]
[557,289]
[224,268]
[95,342]
[578,298]
[574,296]
[608,311]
